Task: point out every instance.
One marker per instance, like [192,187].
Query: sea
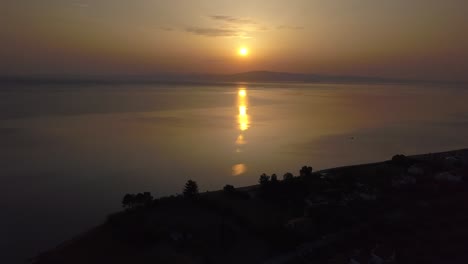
[70,151]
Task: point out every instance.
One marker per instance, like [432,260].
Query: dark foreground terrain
[405,210]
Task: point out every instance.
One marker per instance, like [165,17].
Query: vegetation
[229,189]
[131,201]
[274,179]
[331,216]
[305,171]
[264,180]
[287,177]
[191,190]
[401,160]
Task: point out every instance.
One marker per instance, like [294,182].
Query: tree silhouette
[229,189]
[128,201]
[274,179]
[264,179]
[305,171]
[400,160]
[146,199]
[137,200]
[288,176]
[191,189]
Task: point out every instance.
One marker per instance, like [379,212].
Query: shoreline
[246,207]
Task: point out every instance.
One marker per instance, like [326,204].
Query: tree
[274,179]
[146,199]
[191,189]
[229,189]
[305,171]
[264,179]
[128,200]
[137,200]
[400,160]
[288,177]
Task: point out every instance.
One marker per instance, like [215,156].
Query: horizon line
[185,77]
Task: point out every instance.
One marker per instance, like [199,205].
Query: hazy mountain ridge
[251,76]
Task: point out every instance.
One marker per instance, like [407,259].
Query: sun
[243,51]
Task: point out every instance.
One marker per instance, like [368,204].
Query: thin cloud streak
[213,32]
[233,20]
[80,5]
[167,28]
[228,26]
[290,27]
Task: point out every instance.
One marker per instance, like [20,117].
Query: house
[416,170]
[453,162]
[448,177]
[367,196]
[301,225]
[403,180]
[316,201]
[177,236]
[378,255]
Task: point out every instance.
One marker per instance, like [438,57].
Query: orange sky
[424,39]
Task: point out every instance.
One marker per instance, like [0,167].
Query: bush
[400,160]
[229,189]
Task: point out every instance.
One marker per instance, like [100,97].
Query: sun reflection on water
[243,122]
[239,169]
[242,103]
[240,140]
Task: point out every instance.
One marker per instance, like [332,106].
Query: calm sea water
[69,152]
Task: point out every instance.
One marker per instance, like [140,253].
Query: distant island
[251,77]
[409,209]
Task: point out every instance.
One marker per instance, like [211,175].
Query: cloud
[228,26]
[80,5]
[213,32]
[167,28]
[233,20]
[288,27]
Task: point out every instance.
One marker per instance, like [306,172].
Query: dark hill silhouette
[271,76]
[251,76]
[268,76]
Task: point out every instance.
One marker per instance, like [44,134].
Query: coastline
[243,211]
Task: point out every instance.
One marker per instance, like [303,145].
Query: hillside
[405,210]
[251,76]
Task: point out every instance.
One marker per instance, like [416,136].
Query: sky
[418,39]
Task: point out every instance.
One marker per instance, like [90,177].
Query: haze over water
[70,152]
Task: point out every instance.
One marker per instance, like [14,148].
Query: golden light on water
[242,110]
[239,169]
[240,140]
[242,103]
[243,122]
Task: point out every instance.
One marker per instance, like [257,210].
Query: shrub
[229,189]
